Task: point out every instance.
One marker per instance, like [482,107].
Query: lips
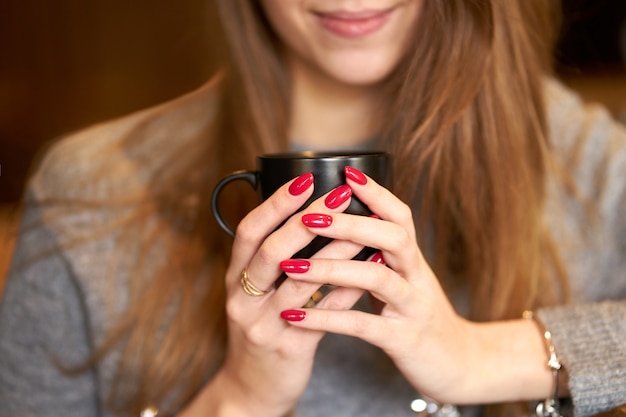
[353,25]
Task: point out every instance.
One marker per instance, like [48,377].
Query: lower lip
[354,28]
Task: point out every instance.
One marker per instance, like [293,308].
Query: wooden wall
[65,64]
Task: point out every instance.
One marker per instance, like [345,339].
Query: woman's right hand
[268,362]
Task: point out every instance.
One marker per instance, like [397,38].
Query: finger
[295,293]
[376,278]
[398,245]
[266,217]
[340,298]
[289,238]
[380,200]
[371,328]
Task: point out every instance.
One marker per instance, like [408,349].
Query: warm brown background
[66,64]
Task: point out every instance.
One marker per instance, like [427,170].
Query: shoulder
[587,193]
[585,139]
[114,158]
[574,123]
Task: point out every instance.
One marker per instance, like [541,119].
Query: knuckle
[298,287]
[333,304]
[323,319]
[380,278]
[327,269]
[285,351]
[360,324]
[277,203]
[267,252]
[256,334]
[400,240]
[405,213]
[245,231]
[294,289]
[233,310]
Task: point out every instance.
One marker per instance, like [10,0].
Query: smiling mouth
[353,25]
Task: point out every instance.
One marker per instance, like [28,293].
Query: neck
[327,114]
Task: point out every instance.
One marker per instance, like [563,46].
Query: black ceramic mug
[274,170]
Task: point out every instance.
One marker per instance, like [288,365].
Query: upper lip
[353,14]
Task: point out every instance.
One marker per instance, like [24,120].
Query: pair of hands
[270,355]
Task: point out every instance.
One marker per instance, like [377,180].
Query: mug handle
[250,177]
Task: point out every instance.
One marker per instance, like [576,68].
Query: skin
[336,81]
[269,360]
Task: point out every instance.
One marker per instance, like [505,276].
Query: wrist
[223,397]
[506,362]
[219,398]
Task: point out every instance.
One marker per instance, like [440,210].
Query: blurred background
[68,64]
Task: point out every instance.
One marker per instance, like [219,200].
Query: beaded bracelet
[550,406]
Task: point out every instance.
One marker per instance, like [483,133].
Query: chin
[359,71]
[360,79]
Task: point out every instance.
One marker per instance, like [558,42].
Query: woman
[124,295]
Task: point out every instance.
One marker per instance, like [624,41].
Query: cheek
[410,25]
[287,20]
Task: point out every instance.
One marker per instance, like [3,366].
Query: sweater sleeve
[589,334]
[44,331]
[590,340]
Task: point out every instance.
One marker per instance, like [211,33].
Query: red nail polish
[293,315]
[298,266]
[355,175]
[301,184]
[338,196]
[317,220]
[375,216]
[378,258]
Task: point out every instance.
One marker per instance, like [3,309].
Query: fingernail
[355,175]
[301,184]
[378,258]
[317,220]
[293,315]
[338,196]
[375,216]
[298,266]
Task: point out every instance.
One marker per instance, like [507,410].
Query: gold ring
[248,287]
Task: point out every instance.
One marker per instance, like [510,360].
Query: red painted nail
[317,220]
[293,315]
[375,216]
[298,266]
[355,175]
[338,196]
[301,184]
[378,258]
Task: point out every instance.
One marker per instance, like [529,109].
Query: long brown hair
[465,121]
[470,134]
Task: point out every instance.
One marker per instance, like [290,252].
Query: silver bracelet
[426,407]
[150,411]
[550,407]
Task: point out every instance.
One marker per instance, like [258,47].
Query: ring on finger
[248,287]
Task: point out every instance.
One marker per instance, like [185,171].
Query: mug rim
[323,155]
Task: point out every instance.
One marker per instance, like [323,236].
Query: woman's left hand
[443,355]
[417,327]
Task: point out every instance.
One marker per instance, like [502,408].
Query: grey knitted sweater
[53,307]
